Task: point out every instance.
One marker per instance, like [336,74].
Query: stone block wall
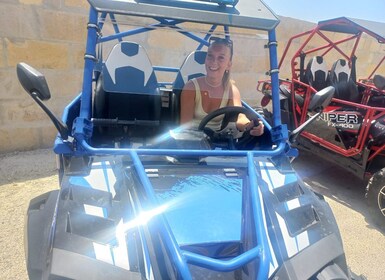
[50,35]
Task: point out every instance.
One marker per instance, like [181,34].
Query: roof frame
[251,14]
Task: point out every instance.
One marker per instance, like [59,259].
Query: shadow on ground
[335,183]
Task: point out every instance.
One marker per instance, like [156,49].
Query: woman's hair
[228,43]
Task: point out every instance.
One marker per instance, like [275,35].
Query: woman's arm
[187,103]
[243,123]
[235,100]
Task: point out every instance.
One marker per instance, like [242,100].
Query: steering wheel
[226,137]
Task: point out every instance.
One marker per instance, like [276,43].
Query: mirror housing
[33,81]
[318,103]
[321,99]
[379,82]
[36,86]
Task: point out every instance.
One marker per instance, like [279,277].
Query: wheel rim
[381,200]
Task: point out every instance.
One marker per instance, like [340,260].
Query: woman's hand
[255,129]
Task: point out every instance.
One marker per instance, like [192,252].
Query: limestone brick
[76,56]
[47,136]
[247,84]
[171,58]
[166,40]
[381,69]
[76,3]
[10,86]
[23,111]
[243,64]
[18,21]
[26,138]
[18,138]
[31,2]
[39,54]
[64,83]
[63,26]
[2,54]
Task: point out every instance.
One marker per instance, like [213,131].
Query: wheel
[375,195]
[225,137]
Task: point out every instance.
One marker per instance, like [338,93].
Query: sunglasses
[218,40]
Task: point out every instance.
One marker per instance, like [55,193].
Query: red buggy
[351,130]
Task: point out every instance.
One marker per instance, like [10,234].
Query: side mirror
[318,103]
[321,99]
[33,81]
[36,86]
[379,82]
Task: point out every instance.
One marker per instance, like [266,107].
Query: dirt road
[24,176]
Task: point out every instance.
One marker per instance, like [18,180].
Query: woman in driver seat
[203,95]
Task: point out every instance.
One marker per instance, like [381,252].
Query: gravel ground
[25,175]
[364,242]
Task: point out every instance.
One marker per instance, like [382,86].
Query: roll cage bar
[353,27]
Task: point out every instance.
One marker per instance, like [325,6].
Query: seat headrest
[340,71]
[194,64]
[192,67]
[317,63]
[128,70]
[317,73]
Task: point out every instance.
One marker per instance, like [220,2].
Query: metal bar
[261,250]
[168,238]
[125,34]
[375,69]
[85,107]
[221,265]
[265,123]
[256,202]
[171,152]
[274,78]
[165,69]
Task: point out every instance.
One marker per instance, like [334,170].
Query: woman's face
[218,60]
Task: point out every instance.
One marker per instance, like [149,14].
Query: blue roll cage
[226,13]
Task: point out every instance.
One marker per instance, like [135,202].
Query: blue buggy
[142,197]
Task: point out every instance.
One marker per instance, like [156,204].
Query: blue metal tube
[220,265]
[114,24]
[274,77]
[85,108]
[165,69]
[265,123]
[207,36]
[261,234]
[172,24]
[125,34]
[116,151]
[171,244]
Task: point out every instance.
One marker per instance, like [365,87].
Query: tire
[60,166]
[375,195]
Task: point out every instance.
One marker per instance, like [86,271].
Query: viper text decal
[341,119]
